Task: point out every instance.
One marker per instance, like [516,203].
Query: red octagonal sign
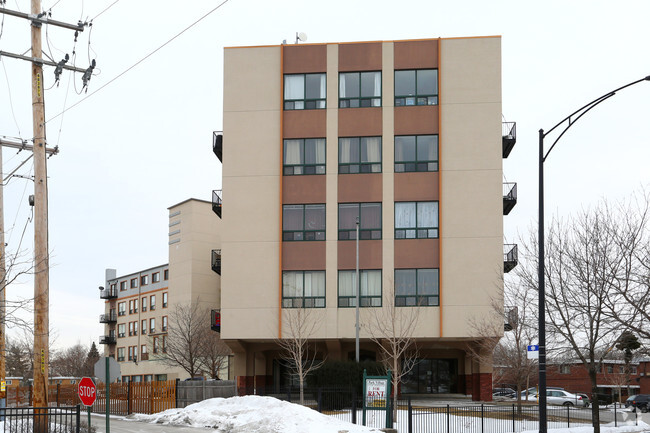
[87,391]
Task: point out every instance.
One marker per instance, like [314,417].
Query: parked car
[641,402]
[558,397]
[504,392]
[629,400]
[586,401]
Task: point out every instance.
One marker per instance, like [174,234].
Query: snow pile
[253,414]
[603,429]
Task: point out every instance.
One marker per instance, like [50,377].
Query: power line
[141,60]
[11,103]
[109,6]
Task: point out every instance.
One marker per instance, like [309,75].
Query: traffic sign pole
[108,396]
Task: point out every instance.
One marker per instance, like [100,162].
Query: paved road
[127,426]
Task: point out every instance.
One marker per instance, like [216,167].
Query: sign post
[110,369]
[376,395]
[87,394]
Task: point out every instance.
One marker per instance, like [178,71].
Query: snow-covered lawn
[255,414]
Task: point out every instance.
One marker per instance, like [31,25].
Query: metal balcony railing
[509,196]
[216,201]
[510,258]
[509,135]
[216,261]
[511,317]
[217,144]
[108,318]
[109,293]
[107,339]
[215,320]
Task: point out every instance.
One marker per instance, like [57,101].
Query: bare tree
[298,351]
[586,259]
[70,361]
[393,328]
[214,353]
[184,339]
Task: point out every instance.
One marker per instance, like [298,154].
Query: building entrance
[432,376]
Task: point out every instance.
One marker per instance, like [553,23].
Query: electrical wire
[65,101]
[22,198]
[109,6]
[141,60]
[11,103]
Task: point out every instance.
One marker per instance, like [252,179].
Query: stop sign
[87,391]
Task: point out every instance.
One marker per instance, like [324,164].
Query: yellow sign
[3,386]
[42,360]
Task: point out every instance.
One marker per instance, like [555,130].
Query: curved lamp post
[566,123]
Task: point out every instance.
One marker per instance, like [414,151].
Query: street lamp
[567,122]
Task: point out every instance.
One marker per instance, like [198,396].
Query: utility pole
[3,295]
[41,248]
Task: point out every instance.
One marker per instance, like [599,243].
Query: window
[143,352]
[9,382]
[303,222]
[131,306]
[130,329]
[135,328]
[304,156]
[565,369]
[164,295]
[134,283]
[369,222]
[370,294]
[360,155]
[113,288]
[120,353]
[416,87]
[633,371]
[130,353]
[144,304]
[416,153]
[610,369]
[121,308]
[359,89]
[126,379]
[121,330]
[122,285]
[621,369]
[152,302]
[304,91]
[164,323]
[152,325]
[416,220]
[303,289]
[155,344]
[136,378]
[144,326]
[416,287]
[160,377]
[147,377]
[166,274]
[135,305]
[144,280]
[155,277]
[164,344]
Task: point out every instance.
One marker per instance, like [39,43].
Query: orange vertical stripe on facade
[281,198]
[440,196]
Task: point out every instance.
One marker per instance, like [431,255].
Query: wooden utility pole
[3,294]
[41,254]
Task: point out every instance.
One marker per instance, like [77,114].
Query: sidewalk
[121,425]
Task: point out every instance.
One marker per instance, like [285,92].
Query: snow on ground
[253,414]
[642,427]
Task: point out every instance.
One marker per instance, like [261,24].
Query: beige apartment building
[406,137]
[138,305]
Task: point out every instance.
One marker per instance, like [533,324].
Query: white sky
[143,143]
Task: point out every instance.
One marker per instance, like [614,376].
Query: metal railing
[109,293]
[108,318]
[217,201]
[50,419]
[510,257]
[216,261]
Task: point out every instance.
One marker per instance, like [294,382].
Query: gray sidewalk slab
[121,425]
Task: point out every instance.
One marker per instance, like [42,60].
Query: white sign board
[113,369]
[533,351]
[376,392]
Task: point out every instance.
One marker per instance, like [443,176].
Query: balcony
[216,202]
[509,257]
[217,144]
[108,318]
[215,320]
[509,136]
[107,339]
[509,196]
[216,261]
[511,317]
[110,293]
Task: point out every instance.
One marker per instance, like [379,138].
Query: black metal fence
[47,419]
[423,416]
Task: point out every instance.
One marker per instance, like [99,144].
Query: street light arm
[573,117]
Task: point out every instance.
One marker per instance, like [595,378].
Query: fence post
[568,416]
[615,416]
[354,406]
[410,417]
[151,399]
[176,392]
[128,398]
[448,421]
[482,419]
[78,414]
[513,418]
[320,400]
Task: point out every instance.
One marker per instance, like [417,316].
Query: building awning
[616,386]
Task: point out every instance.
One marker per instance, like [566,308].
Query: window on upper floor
[303,222]
[152,302]
[164,300]
[303,289]
[130,329]
[122,285]
[144,304]
[134,283]
[360,155]
[121,330]
[155,277]
[166,274]
[369,215]
[152,325]
[416,220]
[370,283]
[416,87]
[121,308]
[304,156]
[565,369]
[144,280]
[416,153]
[416,287]
[144,326]
[610,369]
[164,323]
[359,89]
[304,91]
[120,353]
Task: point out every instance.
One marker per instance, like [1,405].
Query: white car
[558,397]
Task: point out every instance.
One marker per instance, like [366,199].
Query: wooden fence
[125,398]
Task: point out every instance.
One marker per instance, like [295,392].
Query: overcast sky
[143,142]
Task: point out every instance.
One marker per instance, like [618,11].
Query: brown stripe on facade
[303,256]
[304,123]
[416,54]
[304,59]
[417,120]
[417,253]
[303,189]
[370,255]
[360,122]
[416,186]
[360,57]
[359,188]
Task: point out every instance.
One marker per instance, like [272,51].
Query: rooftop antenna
[301,37]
